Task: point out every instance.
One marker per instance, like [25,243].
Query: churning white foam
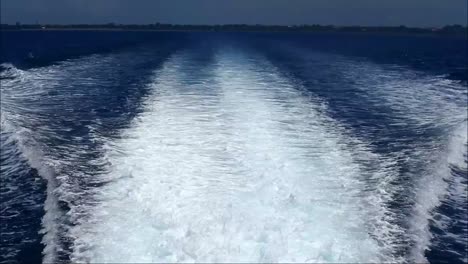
[238,167]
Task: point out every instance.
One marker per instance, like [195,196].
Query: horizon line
[114,24]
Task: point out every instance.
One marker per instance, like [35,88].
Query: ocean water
[233,147]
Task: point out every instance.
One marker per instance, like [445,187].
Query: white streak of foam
[243,170]
[21,91]
[435,102]
[12,92]
[434,188]
[427,102]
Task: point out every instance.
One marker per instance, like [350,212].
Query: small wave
[32,152]
[9,71]
[458,147]
[440,184]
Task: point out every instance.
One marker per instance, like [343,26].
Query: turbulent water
[203,147]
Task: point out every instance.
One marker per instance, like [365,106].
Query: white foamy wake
[439,185]
[25,120]
[238,167]
[440,104]
[12,93]
[427,103]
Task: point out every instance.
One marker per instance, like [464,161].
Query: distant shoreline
[426,34]
[454,30]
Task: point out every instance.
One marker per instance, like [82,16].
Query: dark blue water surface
[86,115]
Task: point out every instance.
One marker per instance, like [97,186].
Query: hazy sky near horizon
[420,13]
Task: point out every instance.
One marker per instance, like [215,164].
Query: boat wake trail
[418,122]
[227,152]
[21,154]
[435,109]
[52,119]
[234,164]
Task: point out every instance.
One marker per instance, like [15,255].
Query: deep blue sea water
[233,147]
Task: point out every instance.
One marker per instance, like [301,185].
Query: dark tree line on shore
[449,29]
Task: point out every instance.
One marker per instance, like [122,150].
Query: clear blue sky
[420,13]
